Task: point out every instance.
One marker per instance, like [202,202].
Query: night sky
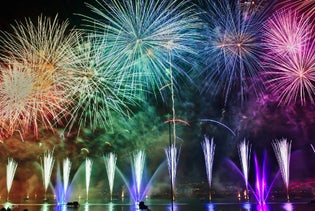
[259,121]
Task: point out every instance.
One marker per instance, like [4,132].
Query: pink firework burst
[292,77]
[286,32]
[290,58]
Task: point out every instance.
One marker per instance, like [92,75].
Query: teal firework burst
[147,37]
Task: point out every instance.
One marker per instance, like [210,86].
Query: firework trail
[290,58]
[233,47]
[34,79]
[99,87]
[147,37]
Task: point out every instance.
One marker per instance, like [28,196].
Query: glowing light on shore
[110,164]
[208,151]
[282,149]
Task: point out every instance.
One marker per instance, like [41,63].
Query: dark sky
[19,9]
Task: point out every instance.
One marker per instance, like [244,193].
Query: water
[180,205]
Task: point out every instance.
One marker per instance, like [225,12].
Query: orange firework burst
[34,79]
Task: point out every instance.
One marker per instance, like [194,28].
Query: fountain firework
[88,171]
[47,165]
[138,160]
[244,150]
[282,149]
[11,168]
[172,155]
[66,175]
[208,151]
[110,165]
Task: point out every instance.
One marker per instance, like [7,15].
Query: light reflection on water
[177,206]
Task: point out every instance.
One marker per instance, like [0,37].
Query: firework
[286,33]
[26,102]
[11,168]
[232,47]
[208,152]
[34,79]
[110,165]
[100,88]
[282,149]
[291,78]
[244,150]
[172,154]
[147,37]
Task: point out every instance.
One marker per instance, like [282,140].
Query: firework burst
[100,88]
[290,59]
[34,80]
[232,47]
[286,33]
[148,37]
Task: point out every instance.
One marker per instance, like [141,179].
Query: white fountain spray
[66,175]
[110,165]
[47,165]
[208,151]
[244,150]
[138,159]
[172,155]
[11,168]
[282,149]
[88,171]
